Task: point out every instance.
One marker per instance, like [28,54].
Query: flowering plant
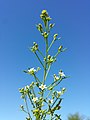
[44,99]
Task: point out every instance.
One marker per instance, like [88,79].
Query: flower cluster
[39,27]
[45,34]
[50,59]
[44,16]
[60,76]
[34,48]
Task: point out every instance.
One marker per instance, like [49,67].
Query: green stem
[55,83]
[52,84]
[31,101]
[37,80]
[49,93]
[51,117]
[54,102]
[39,59]
[40,53]
[60,81]
[45,65]
[56,54]
[33,92]
[27,109]
[47,26]
[46,52]
[51,44]
[48,71]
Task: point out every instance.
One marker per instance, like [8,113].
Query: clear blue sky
[18,31]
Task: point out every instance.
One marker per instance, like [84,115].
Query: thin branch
[36,78]
[31,101]
[27,109]
[40,53]
[39,59]
[51,44]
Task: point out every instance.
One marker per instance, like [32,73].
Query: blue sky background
[18,31]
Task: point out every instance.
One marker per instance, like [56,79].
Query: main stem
[45,70]
[46,52]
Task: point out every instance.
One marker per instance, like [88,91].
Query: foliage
[44,99]
[75,116]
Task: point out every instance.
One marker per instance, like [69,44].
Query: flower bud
[37,84]
[23,96]
[41,16]
[44,12]
[45,34]
[51,25]
[21,90]
[59,49]
[55,36]
[39,27]
[38,68]
[34,48]
[54,75]
[22,107]
[50,101]
[49,57]
[34,43]
[63,90]
[50,88]
[44,58]
[44,15]
[58,107]
[48,18]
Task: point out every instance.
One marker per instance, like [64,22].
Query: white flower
[31,71]
[35,99]
[61,74]
[42,87]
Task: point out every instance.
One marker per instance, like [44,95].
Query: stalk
[27,109]
[31,101]
[51,45]
[40,53]
[46,52]
[39,59]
